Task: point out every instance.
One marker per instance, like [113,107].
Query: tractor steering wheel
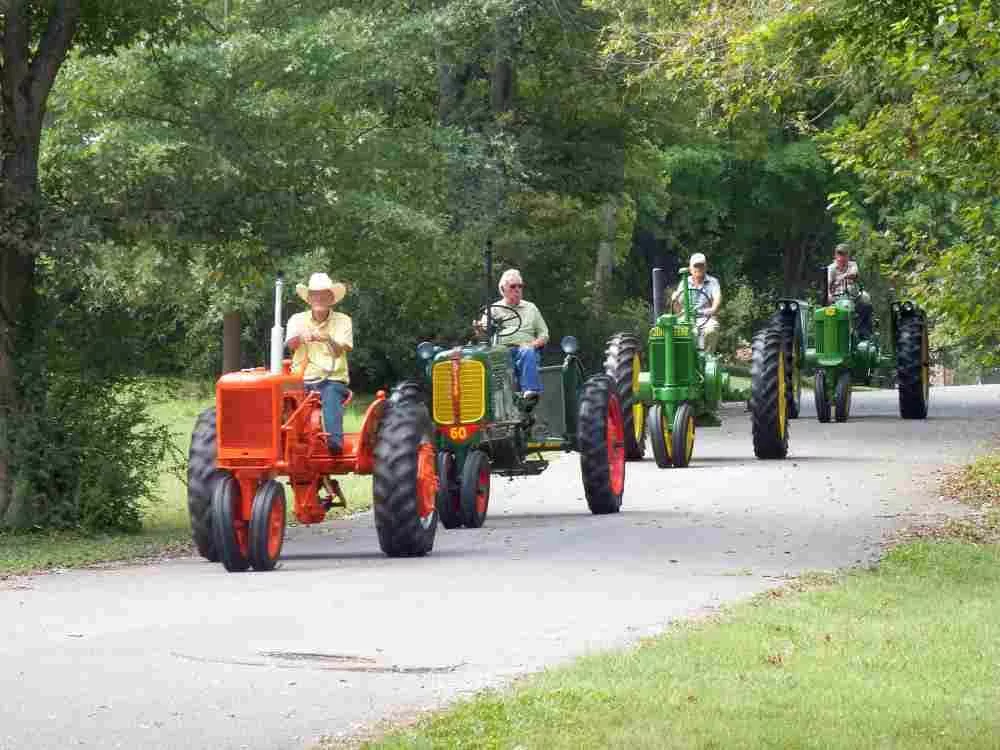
[693,291]
[500,321]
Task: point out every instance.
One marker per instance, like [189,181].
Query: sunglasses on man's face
[699,265]
[515,286]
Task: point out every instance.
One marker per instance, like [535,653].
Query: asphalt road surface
[183,655]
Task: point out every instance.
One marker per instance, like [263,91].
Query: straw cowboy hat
[320,282]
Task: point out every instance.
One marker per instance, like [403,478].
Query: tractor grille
[245,419]
[472,392]
[832,336]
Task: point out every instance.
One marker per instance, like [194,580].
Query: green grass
[165,521]
[900,657]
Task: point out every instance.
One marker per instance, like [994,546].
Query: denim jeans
[526,361]
[333,394]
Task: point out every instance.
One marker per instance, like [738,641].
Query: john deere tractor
[484,425]
[828,341]
[684,385]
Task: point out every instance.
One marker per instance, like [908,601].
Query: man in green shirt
[527,341]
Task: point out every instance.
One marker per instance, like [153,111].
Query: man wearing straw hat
[320,339]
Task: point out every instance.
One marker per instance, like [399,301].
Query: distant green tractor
[825,340]
[684,385]
[485,426]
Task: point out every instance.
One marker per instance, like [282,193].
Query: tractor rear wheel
[842,397]
[201,477]
[475,490]
[682,436]
[231,532]
[659,436]
[768,399]
[601,437]
[819,393]
[405,481]
[791,331]
[912,368]
[267,525]
[409,390]
[447,502]
[622,364]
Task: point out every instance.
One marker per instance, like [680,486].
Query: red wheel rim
[427,480]
[616,446]
[275,528]
[483,490]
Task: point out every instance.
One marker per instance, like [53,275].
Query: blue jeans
[526,363]
[333,394]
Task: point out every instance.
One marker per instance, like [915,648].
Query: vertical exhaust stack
[277,332]
[658,288]
[489,289]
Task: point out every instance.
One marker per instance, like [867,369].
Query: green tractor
[683,387]
[484,426]
[828,341]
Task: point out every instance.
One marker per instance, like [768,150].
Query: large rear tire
[405,481]
[448,503]
[232,538]
[622,364]
[768,399]
[475,491]
[267,525]
[842,397]
[201,477]
[659,436]
[409,390]
[791,332]
[912,368]
[819,394]
[601,437]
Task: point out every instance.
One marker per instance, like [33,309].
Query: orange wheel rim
[275,529]
[616,446]
[427,480]
[483,491]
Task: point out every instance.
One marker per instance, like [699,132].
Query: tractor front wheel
[448,504]
[267,525]
[819,393]
[912,368]
[601,437]
[682,436]
[842,397]
[405,481]
[768,396]
[475,490]
[231,532]
[622,364]
[659,436]
[201,478]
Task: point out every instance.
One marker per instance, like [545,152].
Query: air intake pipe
[659,285]
[277,332]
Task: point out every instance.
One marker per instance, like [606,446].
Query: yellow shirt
[316,359]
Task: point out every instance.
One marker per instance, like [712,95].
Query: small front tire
[231,531]
[474,493]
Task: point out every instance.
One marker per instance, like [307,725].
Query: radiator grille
[472,392]
[246,419]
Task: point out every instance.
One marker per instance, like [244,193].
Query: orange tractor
[265,426]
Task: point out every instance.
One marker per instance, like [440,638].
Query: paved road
[182,655]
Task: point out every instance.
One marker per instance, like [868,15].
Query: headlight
[426,350]
[908,306]
[569,345]
[794,306]
[783,306]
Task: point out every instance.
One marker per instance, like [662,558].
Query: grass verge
[902,656]
[166,531]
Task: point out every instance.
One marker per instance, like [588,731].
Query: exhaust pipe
[658,288]
[277,332]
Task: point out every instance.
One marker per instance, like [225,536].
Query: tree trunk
[605,253]
[231,327]
[502,77]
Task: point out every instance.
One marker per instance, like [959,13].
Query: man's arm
[342,338]
[293,336]
[716,299]
[541,331]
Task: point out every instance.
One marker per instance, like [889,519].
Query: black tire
[819,394]
[682,436]
[201,477]
[659,436]
[842,397]
[409,390]
[231,540]
[267,525]
[602,461]
[768,401]
[622,364]
[448,502]
[474,493]
[791,332]
[405,520]
[912,367]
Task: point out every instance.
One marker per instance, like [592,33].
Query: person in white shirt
[706,298]
[842,283]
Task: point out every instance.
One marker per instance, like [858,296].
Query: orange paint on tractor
[268,425]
